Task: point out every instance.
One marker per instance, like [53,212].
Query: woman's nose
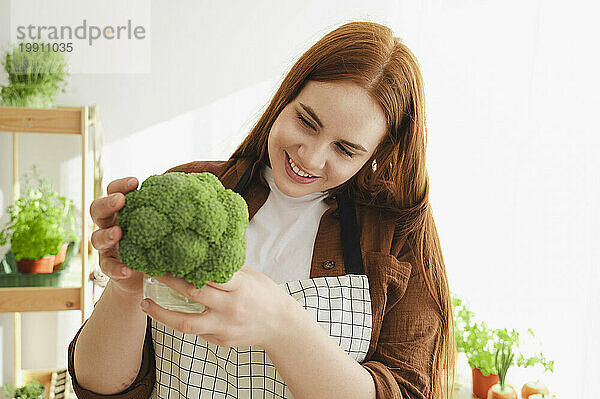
[313,159]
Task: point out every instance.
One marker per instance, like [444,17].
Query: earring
[374,165]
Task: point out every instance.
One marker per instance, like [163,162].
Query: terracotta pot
[60,256]
[509,392]
[482,383]
[33,266]
[532,387]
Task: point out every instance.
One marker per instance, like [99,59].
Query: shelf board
[39,299]
[61,120]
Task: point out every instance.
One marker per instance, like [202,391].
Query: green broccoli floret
[184,223]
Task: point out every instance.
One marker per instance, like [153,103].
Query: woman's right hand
[106,239]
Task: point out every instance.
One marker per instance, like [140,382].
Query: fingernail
[111,233]
[144,304]
[131,182]
[124,271]
[113,199]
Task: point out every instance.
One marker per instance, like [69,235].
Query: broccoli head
[184,223]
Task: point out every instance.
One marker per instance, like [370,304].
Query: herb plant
[41,221]
[33,390]
[479,342]
[503,365]
[34,77]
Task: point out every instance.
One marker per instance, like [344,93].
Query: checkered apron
[187,366]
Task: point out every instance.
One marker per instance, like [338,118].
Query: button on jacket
[406,327]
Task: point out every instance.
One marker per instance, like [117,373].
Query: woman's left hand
[247,310]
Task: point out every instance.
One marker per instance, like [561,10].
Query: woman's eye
[305,122]
[348,153]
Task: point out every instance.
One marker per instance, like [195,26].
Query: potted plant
[502,390]
[480,343]
[473,340]
[41,222]
[33,390]
[35,73]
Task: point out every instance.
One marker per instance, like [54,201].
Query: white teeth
[297,170]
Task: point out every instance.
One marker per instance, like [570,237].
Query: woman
[344,293]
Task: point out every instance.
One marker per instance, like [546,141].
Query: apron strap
[353,261]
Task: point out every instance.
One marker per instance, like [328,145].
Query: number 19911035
[47,47]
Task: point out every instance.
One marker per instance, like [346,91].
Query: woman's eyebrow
[313,115]
[356,146]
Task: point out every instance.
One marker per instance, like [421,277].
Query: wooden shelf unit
[60,120]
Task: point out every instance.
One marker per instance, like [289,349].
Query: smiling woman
[319,116]
[344,290]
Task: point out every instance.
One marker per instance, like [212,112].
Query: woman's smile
[295,173]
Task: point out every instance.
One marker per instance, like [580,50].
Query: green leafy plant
[462,322]
[184,223]
[479,342]
[33,390]
[35,75]
[539,358]
[40,221]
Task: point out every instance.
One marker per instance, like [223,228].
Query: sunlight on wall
[513,166]
[208,133]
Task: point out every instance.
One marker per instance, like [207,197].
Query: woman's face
[329,131]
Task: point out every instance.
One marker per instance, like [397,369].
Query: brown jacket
[406,327]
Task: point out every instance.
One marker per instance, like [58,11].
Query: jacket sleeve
[142,386]
[402,363]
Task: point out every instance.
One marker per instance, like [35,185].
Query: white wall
[512,155]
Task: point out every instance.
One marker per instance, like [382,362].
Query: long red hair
[368,55]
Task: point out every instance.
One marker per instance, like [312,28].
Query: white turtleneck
[281,235]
